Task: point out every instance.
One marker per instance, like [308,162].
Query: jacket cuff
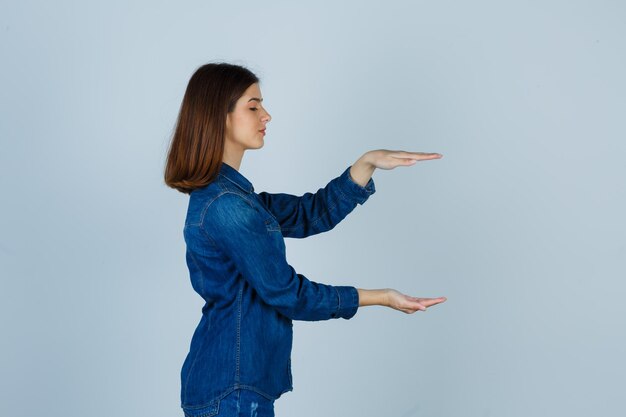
[348,302]
[355,191]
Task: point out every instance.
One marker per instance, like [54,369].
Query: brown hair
[197,147]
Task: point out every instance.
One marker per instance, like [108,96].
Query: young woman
[239,357]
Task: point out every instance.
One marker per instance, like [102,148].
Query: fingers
[431,301]
[410,158]
[421,304]
[422,156]
[413,310]
[399,153]
[415,304]
[409,304]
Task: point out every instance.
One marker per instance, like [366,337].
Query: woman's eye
[253,108]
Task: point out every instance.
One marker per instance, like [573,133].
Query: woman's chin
[258,145]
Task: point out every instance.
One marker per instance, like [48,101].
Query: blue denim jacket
[237,263]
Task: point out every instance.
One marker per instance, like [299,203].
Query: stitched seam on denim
[258,391]
[224,190]
[214,404]
[216,399]
[367,186]
[214,411]
[328,210]
[207,206]
[269,226]
[220,183]
[339,300]
[239,298]
[207,414]
[367,189]
[279,228]
[211,202]
[235,182]
[342,193]
[351,198]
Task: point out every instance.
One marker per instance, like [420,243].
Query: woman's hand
[408,304]
[386,159]
[389,297]
[362,170]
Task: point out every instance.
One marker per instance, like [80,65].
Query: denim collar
[235,176]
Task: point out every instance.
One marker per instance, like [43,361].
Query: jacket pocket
[272,224]
[205,411]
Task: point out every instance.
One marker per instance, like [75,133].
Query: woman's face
[245,125]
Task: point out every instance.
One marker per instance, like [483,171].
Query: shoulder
[228,210]
[228,200]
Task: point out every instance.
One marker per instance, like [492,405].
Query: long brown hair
[197,147]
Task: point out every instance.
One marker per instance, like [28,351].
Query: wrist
[366,159]
[361,171]
[373,297]
[385,297]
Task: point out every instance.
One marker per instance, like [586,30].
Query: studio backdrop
[520,225]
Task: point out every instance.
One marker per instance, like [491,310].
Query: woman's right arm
[314,213]
[389,297]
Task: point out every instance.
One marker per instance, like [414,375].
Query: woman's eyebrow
[255,99]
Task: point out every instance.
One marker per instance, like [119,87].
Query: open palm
[408,304]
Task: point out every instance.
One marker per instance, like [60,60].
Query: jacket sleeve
[310,214]
[236,228]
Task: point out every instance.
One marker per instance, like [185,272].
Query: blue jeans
[244,403]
